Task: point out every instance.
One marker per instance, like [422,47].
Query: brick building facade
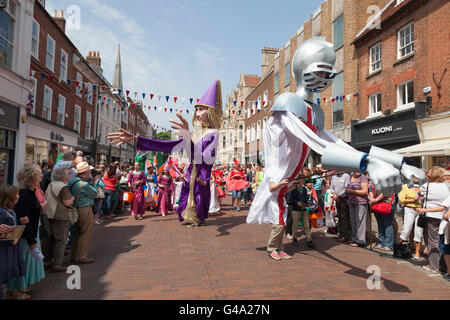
[400,67]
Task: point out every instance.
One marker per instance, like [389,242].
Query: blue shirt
[318,185]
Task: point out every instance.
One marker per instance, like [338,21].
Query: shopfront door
[53,153]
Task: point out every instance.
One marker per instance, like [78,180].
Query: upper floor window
[277,83]
[406,40]
[47,104]
[405,95]
[7,33]
[35,39]
[338,32]
[88,126]
[375,57]
[63,68]
[61,110]
[375,103]
[77,118]
[50,57]
[287,74]
[79,85]
[338,106]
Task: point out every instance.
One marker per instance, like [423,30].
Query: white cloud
[208,58]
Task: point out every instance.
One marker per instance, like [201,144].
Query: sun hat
[83,167]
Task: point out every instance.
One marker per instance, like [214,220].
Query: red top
[110,184]
[237,173]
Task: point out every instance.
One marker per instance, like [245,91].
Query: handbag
[100,193]
[72,211]
[383,207]
[422,219]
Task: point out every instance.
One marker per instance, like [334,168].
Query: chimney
[60,21]
[268,60]
[95,61]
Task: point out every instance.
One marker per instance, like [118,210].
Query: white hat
[83,167]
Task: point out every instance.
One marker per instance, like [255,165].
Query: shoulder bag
[383,207]
[422,220]
[72,211]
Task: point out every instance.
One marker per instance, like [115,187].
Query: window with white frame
[338,106]
[35,39]
[61,110]
[47,103]
[100,132]
[406,40]
[34,82]
[241,132]
[87,134]
[63,68]
[375,103]
[375,57]
[7,33]
[80,84]
[248,134]
[77,124]
[50,56]
[405,95]
[338,32]
[224,142]
[264,124]
[248,111]
[259,103]
[253,132]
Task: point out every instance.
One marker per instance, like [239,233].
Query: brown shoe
[16,295]
[59,269]
[86,261]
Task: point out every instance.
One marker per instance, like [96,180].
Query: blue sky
[179,47]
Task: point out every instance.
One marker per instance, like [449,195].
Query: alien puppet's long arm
[385,168]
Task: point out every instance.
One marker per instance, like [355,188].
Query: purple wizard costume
[201,148]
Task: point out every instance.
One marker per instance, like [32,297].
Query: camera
[96,173]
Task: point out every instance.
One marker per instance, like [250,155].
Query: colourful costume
[138,204]
[201,149]
[165,184]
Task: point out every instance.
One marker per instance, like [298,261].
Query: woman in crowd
[236,183]
[434,193]
[136,183]
[409,198]
[11,257]
[357,191]
[59,198]
[445,238]
[385,222]
[98,202]
[165,185]
[110,181]
[28,205]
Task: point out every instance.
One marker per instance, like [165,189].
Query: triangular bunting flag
[159,98]
[151,96]
[120,92]
[128,92]
[175,99]
[191,100]
[143,96]
[167,98]
[235,102]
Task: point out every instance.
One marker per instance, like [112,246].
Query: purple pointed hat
[212,98]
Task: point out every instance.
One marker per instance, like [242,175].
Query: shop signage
[54,136]
[9,116]
[115,153]
[397,129]
[84,145]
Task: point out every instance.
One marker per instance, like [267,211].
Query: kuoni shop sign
[382,130]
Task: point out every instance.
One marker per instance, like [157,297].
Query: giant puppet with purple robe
[201,149]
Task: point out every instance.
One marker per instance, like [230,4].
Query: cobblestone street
[158,258]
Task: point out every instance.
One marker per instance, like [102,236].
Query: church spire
[117,82]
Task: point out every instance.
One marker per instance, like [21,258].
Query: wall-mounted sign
[9,116]
[54,136]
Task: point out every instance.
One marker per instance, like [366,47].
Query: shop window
[443,162]
[30,149]
[41,151]
[405,41]
[7,33]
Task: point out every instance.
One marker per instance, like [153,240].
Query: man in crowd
[338,184]
[84,190]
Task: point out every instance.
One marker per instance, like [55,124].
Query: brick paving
[158,258]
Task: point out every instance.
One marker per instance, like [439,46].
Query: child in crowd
[329,208]
[12,263]
[177,191]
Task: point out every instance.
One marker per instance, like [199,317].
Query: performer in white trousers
[297,126]
[214,205]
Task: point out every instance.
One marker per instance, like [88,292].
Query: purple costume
[138,204]
[207,148]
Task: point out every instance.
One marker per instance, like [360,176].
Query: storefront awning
[439,147]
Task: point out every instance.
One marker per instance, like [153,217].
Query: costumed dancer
[236,183]
[152,183]
[136,182]
[201,148]
[214,205]
[220,183]
[177,193]
[295,127]
[165,185]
